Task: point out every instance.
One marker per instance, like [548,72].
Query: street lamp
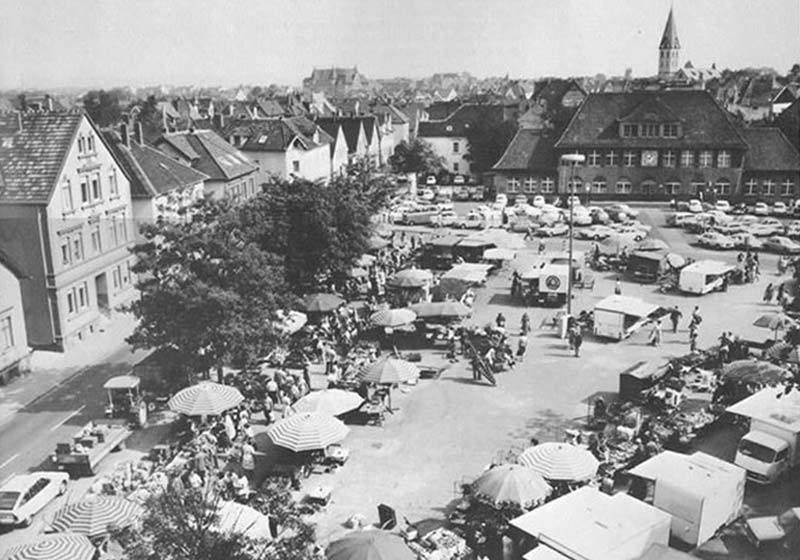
[574,160]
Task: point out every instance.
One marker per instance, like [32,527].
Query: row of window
[768,187]
[6,334]
[72,247]
[78,295]
[90,191]
[531,185]
[662,158]
[649,130]
[87,144]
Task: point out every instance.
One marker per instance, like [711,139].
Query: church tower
[669,50]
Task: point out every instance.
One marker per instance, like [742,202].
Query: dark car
[739,209]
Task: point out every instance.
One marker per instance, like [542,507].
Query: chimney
[19,120]
[123,132]
[138,134]
[164,119]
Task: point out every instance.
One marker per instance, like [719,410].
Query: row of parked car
[779,209]
[720,231]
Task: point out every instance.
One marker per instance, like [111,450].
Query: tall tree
[150,118]
[487,141]
[103,107]
[416,156]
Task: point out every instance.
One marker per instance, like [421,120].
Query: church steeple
[669,49]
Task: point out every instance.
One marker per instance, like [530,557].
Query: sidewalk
[49,370]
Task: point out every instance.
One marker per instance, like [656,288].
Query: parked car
[723,206]
[458,180]
[761,209]
[781,244]
[780,209]
[538,201]
[677,219]
[633,232]
[580,216]
[763,230]
[430,180]
[770,532]
[730,228]
[621,212]
[446,218]
[793,229]
[573,201]
[553,230]
[25,495]
[473,220]
[520,200]
[427,194]
[599,216]
[746,241]
[596,232]
[695,206]
[739,209]
[477,192]
[714,240]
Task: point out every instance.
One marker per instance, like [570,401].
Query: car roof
[20,483]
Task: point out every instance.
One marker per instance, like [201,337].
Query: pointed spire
[669,40]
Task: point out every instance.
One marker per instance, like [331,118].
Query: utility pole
[574,160]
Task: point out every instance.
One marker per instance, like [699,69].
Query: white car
[596,232]
[573,201]
[635,233]
[780,209]
[723,206]
[458,180]
[430,180]
[446,218]
[695,206]
[580,216]
[538,201]
[25,495]
[427,194]
[501,200]
[761,209]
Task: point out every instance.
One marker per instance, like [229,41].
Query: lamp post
[574,160]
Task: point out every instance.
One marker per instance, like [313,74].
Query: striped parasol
[307,431]
[330,402]
[59,546]
[321,303]
[390,371]
[560,461]
[783,352]
[94,517]
[410,278]
[393,317]
[369,545]
[205,399]
[446,309]
[511,484]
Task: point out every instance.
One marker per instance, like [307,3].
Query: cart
[125,400]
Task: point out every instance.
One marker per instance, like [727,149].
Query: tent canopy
[627,305]
[699,473]
[122,382]
[710,268]
[773,406]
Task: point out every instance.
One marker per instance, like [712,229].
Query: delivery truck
[703,277]
[617,317]
[770,449]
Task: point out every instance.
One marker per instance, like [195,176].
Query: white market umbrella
[393,317]
[242,520]
[205,399]
[390,371]
[329,402]
[560,461]
[307,431]
[511,484]
[58,546]
[95,517]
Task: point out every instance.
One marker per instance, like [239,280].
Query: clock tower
[669,50]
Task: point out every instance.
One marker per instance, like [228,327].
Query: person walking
[693,341]
[525,324]
[577,341]
[768,293]
[522,346]
[779,294]
[696,318]
[655,334]
[675,316]
[500,320]
[617,287]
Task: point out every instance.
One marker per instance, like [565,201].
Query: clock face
[649,158]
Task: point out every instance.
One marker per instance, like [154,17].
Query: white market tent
[701,492]
[601,527]
[772,406]
[619,316]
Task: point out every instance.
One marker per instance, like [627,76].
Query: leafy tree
[206,291]
[488,140]
[103,107]
[150,118]
[416,156]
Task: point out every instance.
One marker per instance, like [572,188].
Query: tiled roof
[215,157]
[529,149]
[31,159]
[270,108]
[273,135]
[6,105]
[703,122]
[669,39]
[789,122]
[457,124]
[369,123]
[150,171]
[769,150]
[351,127]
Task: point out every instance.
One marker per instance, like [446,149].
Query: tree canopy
[103,107]
[487,141]
[416,156]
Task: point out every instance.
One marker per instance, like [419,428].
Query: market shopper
[577,341]
[655,334]
[617,287]
[768,293]
[525,324]
[675,316]
[692,341]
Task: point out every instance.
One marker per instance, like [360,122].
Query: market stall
[617,317]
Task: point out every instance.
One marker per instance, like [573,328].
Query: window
[687,158]
[85,190]
[650,130]
[530,185]
[669,130]
[113,188]
[90,143]
[706,158]
[547,185]
[630,130]
[97,193]
[575,186]
[697,187]
[648,187]
[623,186]
[65,254]
[97,243]
[456,147]
[81,144]
[673,187]
[112,233]
[296,166]
[599,185]
[594,159]
[77,247]
[769,187]
[122,229]
[455,167]
[629,158]
[668,159]
[751,187]
[513,185]
[83,296]
[723,158]
[116,278]
[66,196]
[611,159]
[723,186]
[252,184]
[6,334]
[71,307]
[787,188]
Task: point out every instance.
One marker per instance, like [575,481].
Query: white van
[703,277]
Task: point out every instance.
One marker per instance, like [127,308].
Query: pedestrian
[696,318]
[577,341]
[692,341]
[525,324]
[781,266]
[522,346]
[655,334]
[779,296]
[675,316]
[500,320]
[768,293]
[617,287]
[248,459]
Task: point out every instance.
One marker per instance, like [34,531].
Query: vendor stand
[617,317]
[438,253]
[125,400]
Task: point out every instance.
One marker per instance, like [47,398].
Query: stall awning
[626,305]
[468,272]
[710,268]
[122,382]
[445,241]
[543,552]
[772,406]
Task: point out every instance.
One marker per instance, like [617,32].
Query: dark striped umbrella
[59,546]
[369,545]
[95,517]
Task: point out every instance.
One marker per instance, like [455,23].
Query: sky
[107,43]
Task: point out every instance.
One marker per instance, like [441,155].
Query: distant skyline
[108,43]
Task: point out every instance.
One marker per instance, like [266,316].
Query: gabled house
[771,166]
[230,174]
[789,123]
[372,135]
[285,148]
[338,145]
[354,135]
[529,166]
[66,223]
[396,123]
[162,188]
